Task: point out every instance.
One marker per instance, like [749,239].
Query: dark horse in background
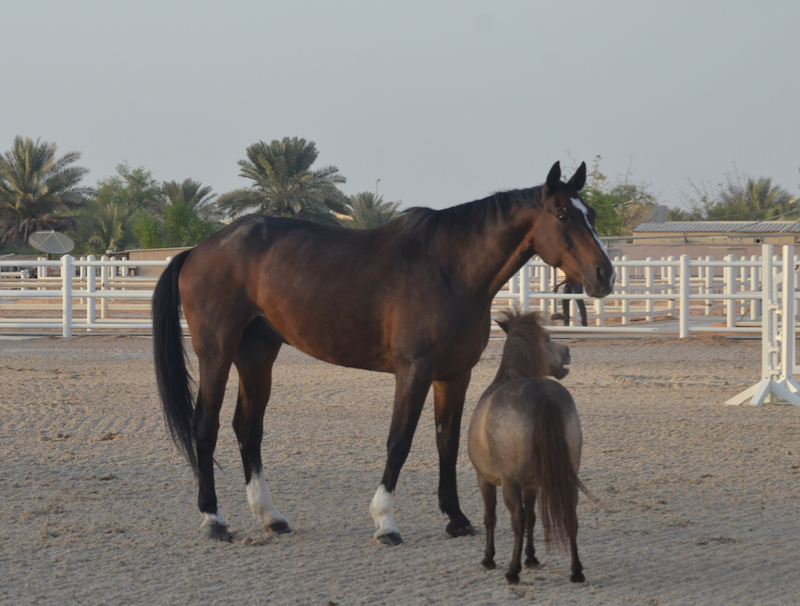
[411,297]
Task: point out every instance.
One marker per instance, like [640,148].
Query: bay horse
[525,436]
[411,297]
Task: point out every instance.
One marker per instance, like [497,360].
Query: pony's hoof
[577,577]
[281,527]
[513,579]
[488,564]
[390,538]
[531,562]
[218,532]
[466,530]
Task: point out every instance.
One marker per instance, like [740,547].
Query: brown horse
[525,436]
[411,297]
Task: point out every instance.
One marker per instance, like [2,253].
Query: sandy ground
[700,501]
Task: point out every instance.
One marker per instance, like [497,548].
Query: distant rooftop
[721,227]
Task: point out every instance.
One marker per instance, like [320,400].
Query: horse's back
[501,438]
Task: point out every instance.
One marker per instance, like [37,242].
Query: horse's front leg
[411,388]
[448,406]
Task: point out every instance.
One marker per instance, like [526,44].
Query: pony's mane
[523,352]
[470,218]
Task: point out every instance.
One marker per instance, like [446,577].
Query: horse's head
[564,234]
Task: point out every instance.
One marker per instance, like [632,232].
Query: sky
[434,103]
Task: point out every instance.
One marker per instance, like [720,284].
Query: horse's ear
[554,177]
[578,180]
[503,325]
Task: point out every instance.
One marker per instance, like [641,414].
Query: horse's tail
[556,478]
[172,377]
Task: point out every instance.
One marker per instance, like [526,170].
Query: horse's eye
[562,216]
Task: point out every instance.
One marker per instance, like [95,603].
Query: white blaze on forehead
[577,203]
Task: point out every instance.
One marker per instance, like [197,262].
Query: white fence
[667,296]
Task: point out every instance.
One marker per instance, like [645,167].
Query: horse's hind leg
[512,495]
[213,378]
[254,360]
[448,399]
[530,520]
[571,525]
[489,493]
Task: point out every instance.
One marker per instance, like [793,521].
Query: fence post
[730,289]
[685,286]
[709,285]
[671,286]
[648,285]
[525,288]
[104,287]
[66,296]
[625,282]
[91,286]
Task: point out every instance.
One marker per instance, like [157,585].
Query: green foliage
[149,231]
[105,224]
[366,210]
[620,207]
[197,196]
[182,226]
[37,190]
[742,199]
[132,187]
[284,184]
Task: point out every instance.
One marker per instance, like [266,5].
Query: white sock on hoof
[212,519]
[260,500]
[382,511]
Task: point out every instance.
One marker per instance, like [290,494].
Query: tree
[107,225]
[134,187]
[619,208]
[284,184]
[741,198]
[197,196]
[37,190]
[366,210]
[182,226]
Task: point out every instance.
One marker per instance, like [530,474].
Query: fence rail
[668,295]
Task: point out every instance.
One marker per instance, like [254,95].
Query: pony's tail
[172,376]
[557,481]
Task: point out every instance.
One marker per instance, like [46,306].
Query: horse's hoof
[577,577]
[281,527]
[531,562]
[390,538]
[218,532]
[513,579]
[461,531]
[488,564]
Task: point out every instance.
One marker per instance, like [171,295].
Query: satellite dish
[51,242]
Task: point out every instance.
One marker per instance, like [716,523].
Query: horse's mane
[522,354]
[470,218]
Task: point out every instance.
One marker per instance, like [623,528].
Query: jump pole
[777,383]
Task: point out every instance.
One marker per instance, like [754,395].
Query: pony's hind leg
[571,525]
[489,494]
[531,560]
[512,495]
[254,360]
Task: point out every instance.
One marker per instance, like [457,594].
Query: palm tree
[753,200]
[197,196]
[366,210]
[38,190]
[109,225]
[284,184]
